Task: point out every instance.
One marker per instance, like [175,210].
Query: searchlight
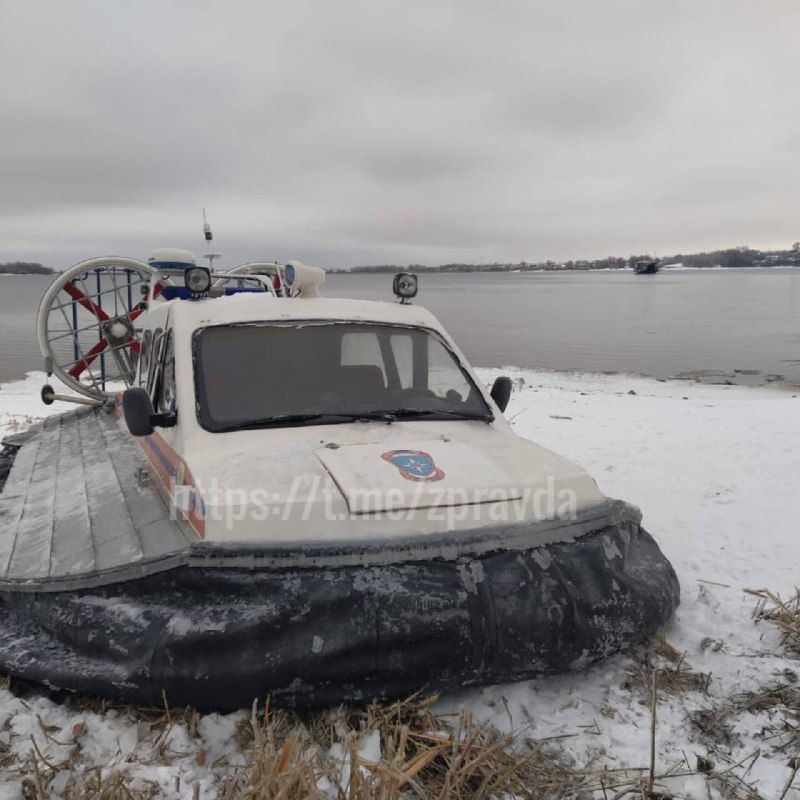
[405,286]
[303,280]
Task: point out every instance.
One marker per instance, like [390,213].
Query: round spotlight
[405,286]
[197,280]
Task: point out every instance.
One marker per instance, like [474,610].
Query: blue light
[181,293]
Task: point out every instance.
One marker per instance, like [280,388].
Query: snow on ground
[20,403]
[715,471]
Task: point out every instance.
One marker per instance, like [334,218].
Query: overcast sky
[347,133]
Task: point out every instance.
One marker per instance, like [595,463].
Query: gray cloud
[351,133]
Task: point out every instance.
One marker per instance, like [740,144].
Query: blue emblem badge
[414,465]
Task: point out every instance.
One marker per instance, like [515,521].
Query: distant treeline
[25,268]
[734,257]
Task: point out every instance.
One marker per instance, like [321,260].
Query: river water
[723,325]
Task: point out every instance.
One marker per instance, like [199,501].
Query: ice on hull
[216,637]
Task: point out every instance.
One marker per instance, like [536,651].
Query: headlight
[405,285]
[197,280]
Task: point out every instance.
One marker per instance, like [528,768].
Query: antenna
[209,237]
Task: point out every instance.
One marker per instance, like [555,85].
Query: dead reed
[407,750]
[412,752]
[675,674]
[785,614]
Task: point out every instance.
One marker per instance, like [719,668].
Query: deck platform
[79,509]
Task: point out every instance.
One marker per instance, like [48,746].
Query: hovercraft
[268,492]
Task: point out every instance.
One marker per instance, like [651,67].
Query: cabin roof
[258,307]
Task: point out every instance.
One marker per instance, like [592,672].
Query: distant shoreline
[25,268]
[516,270]
[732,258]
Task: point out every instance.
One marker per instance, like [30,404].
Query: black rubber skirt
[218,637]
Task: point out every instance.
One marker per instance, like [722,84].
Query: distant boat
[648,266]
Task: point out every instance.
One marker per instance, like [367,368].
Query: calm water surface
[662,325]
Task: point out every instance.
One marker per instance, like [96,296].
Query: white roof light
[299,276]
[171,258]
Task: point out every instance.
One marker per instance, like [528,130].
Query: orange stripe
[166,463]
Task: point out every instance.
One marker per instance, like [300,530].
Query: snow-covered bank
[21,405]
[715,471]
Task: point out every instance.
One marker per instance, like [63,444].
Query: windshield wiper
[418,413]
[379,415]
[294,419]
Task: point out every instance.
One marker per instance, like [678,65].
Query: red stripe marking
[153,445]
[81,298]
[90,356]
[156,442]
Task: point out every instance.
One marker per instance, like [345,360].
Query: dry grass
[675,675]
[19,424]
[406,750]
[781,701]
[778,708]
[783,613]
[659,669]
[287,756]
[422,755]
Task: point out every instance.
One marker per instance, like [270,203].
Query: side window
[165,398]
[443,374]
[153,368]
[144,357]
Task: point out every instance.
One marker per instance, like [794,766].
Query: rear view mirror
[501,392]
[138,410]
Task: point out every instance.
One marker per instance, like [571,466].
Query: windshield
[266,375]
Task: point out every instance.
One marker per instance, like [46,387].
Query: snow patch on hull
[217,637]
